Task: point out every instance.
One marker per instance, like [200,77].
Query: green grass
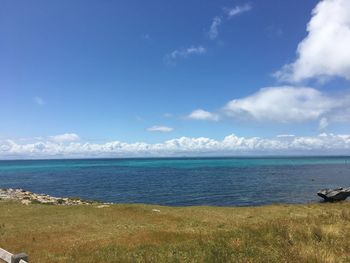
[135,233]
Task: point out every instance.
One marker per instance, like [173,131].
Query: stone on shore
[26,198]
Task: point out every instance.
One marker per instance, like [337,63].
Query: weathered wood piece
[333,195]
[5,255]
[10,258]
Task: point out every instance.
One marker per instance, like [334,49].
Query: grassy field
[136,233]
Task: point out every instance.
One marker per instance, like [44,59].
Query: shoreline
[27,197]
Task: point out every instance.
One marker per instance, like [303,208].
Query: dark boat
[333,195]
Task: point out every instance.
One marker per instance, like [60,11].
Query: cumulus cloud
[283,104]
[231,12]
[230,145]
[325,51]
[184,53]
[157,128]
[66,137]
[214,28]
[203,115]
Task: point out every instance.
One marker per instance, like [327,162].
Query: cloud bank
[66,137]
[184,146]
[325,51]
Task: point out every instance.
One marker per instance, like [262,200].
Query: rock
[102,206]
[26,197]
[332,195]
[26,202]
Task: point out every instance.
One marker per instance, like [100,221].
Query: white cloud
[39,101]
[285,104]
[203,115]
[214,31]
[325,51]
[66,137]
[230,145]
[184,53]
[231,12]
[157,128]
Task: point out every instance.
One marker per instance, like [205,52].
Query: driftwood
[8,257]
[332,195]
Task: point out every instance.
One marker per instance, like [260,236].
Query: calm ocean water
[181,181]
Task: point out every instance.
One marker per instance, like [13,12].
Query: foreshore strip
[27,197]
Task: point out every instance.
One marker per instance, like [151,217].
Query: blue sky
[140,71]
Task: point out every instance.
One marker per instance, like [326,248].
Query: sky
[102,78]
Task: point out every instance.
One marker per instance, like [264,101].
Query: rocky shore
[26,197]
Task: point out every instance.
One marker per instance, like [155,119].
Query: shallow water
[181,181]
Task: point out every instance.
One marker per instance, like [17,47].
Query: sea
[181,181]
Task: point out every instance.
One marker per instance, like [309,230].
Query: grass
[135,233]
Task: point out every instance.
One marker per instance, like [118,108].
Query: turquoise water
[181,181]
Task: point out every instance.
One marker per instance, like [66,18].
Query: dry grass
[135,233]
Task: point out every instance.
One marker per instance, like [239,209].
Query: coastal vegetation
[150,233]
